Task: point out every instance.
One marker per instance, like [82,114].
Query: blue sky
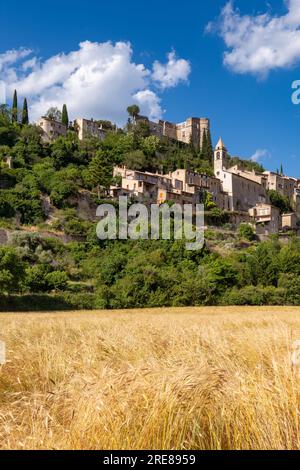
[247,98]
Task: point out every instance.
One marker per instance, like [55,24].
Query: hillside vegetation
[53,259]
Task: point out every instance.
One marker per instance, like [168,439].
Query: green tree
[12,270]
[57,280]
[107,125]
[135,160]
[209,203]
[15,107]
[216,217]
[206,151]
[222,273]
[65,116]
[133,111]
[25,117]
[150,145]
[35,280]
[99,173]
[246,232]
[280,201]
[291,283]
[54,114]
[5,115]
[204,146]
[64,150]
[262,265]
[209,147]
[281,169]
[28,148]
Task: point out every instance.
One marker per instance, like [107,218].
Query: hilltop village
[54,174]
[243,194]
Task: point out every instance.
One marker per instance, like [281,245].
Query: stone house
[51,129]
[181,186]
[267,218]
[88,127]
[289,221]
[283,184]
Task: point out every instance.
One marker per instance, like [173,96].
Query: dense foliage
[158,273]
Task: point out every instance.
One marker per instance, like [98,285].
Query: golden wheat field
[194,378]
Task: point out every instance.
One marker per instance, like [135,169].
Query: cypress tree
[210,150]
[65,116]
[204,146]
[281,170]
[14,114]
[25,118]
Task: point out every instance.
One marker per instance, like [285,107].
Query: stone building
[191,182]
[267,219]
[244,189]
[290,221]
[190,131]
[250,175]
[181,186]
[234,189]
[143,186]
[51,129]
[88,127]
[296,202]
[283,184]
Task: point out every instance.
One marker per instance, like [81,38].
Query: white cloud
[149,102]
[261,43]
[12,56]
[98,80]
[260,154]
[9,58]
[30,64]
[173,72]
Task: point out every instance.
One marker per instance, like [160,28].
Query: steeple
[220,145]
[219,157]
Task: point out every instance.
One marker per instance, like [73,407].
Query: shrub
[79,300]
[216,217]
[57,280]
[36,278]
[291,284]
[41,278]
[254,295]
[12,270]
[246,232]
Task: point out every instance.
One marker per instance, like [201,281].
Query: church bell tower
[220,156]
